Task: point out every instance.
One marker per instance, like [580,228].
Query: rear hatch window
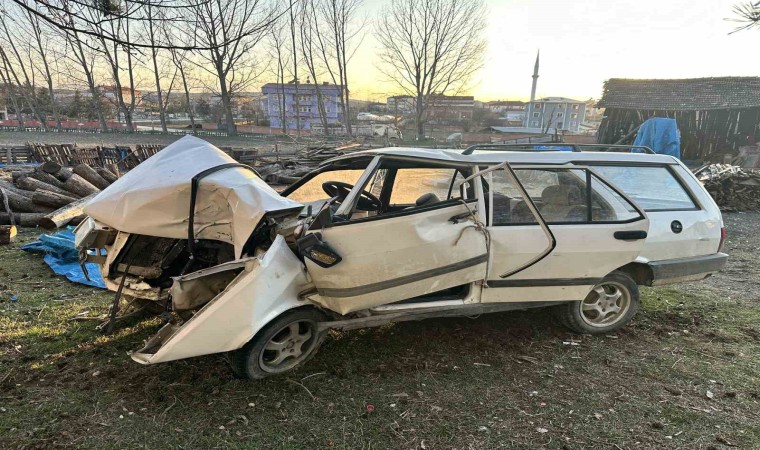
[654,188]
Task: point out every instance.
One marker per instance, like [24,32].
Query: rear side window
[562,196]
[654,188]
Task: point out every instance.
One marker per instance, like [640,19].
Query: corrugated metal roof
[682,94]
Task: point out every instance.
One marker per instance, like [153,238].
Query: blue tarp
[661,135]
[62,257]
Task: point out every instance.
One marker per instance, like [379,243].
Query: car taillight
[722,239]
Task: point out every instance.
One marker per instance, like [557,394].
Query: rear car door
[556,231]
[416,244]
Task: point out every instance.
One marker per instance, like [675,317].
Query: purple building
[303,105]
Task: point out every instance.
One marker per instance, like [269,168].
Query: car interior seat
[561,203]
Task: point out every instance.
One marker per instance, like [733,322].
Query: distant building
[511,110]
[561,113]
[401,104]
[304,105]
[3,113]
[449,109]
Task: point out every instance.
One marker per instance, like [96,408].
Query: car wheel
[610,305]
[284,344]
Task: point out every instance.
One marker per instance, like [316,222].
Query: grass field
[684,374]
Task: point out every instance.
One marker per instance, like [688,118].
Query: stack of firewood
[732,187]
[49,195]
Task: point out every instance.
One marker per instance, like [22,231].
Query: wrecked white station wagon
[391,235]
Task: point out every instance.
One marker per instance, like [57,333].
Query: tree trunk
[91,175]
[47,198]
[50,167]
[64,174]
[32,184]
[79,186]
[109,176]
[47,178]
[22,219]
[62,216]
[18,203]
[7,233]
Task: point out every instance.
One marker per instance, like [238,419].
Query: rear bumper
[686,269]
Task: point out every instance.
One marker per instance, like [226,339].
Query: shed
[715,115]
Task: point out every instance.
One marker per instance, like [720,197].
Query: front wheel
[610,305]
[284,344]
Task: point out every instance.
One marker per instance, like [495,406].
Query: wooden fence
[124,157]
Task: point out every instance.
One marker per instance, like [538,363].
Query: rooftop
[682,94]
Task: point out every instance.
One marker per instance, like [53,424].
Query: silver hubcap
[605,305]
[288,347]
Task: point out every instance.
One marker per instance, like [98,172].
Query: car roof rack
[559,147]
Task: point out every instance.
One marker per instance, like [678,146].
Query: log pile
[49,195]
[733,188]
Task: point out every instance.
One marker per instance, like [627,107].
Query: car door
[404,252]
[556,231]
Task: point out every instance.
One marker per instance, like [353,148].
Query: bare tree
[293,22]
[227,33]
[431,47]
[7,80]
[747,14]
[19,66]
[153,39]
[279,53]
[42,42]
[84,57]
[181,63]
[112,53]
[309,45]
[338,46]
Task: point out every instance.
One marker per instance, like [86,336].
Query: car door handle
[630,235]
[460,217]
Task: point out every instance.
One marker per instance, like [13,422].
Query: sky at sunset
[585,42]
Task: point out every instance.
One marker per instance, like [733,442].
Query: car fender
[266,288]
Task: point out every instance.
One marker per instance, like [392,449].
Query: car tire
[284,344]
[609,306]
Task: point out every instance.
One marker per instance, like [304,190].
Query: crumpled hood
[154,198]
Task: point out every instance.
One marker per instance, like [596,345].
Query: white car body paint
[233,317]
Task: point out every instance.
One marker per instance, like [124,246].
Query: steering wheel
[367,200]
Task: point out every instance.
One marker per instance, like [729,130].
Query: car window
[562,196]
[654,188]
[312,190]
[411,184]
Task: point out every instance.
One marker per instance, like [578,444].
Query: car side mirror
[315,249]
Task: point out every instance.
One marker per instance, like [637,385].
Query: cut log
[20,174]
[8,186]
[107,174]
[80,186]
[50,167]
[92,176]
[47,198]
[47,178]
[7,233]
[64,174]
[114,169]
[32,184]
[22,219]
[18,203]
[63,216]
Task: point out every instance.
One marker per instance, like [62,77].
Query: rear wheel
[610,305]
[284,344]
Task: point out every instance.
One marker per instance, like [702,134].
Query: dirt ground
[684,374]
